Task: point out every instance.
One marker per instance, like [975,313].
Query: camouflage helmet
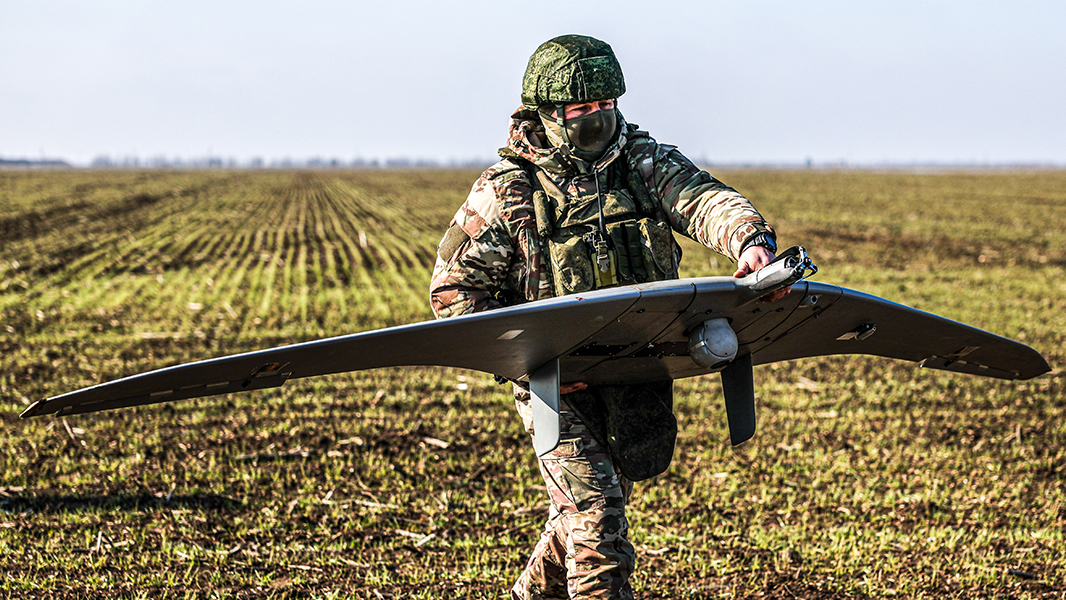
[569,69]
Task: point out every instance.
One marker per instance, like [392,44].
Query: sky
[739,82]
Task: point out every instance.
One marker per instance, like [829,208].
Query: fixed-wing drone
[631,334]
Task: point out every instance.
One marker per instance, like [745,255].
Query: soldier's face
[588,127]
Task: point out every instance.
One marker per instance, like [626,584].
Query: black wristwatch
[760,239]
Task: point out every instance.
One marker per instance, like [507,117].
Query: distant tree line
[217,162]
[44,163]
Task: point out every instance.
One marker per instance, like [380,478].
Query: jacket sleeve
[697,204]
[473,257]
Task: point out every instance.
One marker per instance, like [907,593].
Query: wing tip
[37,409]
[1025,372]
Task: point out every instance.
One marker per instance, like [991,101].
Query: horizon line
[317,163]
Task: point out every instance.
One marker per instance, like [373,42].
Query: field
[868,478]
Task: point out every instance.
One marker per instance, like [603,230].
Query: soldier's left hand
[753,259]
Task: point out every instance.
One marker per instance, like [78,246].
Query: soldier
[583,200]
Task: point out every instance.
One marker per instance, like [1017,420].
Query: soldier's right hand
[568,388]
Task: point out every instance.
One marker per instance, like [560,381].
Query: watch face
[763,240]
[766,242]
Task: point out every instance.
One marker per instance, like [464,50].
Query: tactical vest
[615,236]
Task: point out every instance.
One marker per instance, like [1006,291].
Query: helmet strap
[556,135]
[560,118]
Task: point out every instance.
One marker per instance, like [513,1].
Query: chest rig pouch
[616,236]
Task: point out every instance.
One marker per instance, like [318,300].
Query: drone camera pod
[713,344]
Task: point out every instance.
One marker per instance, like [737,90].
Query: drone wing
[629,334]
[510,342]
[857,323]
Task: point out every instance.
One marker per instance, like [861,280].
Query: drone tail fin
[738,386]
[544,400]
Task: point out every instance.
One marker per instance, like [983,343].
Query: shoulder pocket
[453,239]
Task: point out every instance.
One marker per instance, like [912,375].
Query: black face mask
[591,134]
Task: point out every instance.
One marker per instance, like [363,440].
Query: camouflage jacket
[492,254]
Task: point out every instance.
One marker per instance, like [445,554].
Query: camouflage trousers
[583,551]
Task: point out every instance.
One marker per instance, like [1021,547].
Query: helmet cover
[571,69]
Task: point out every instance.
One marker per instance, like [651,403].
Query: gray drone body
[630,334]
